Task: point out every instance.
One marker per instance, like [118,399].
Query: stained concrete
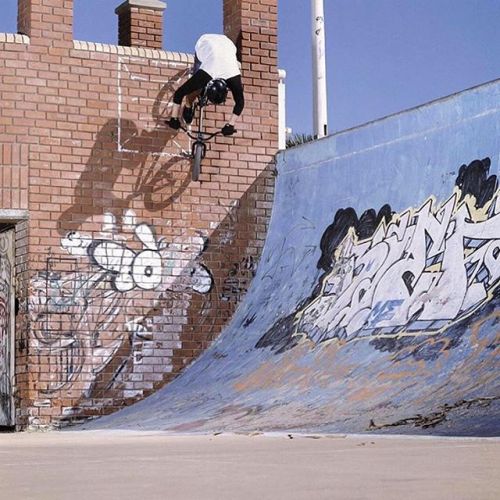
[376,303]
[131,465]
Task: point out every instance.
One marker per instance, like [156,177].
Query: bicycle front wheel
[197,157]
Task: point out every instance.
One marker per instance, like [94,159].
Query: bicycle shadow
[136,159]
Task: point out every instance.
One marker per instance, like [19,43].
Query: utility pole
[320,103]
[282,109]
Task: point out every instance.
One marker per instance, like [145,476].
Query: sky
[383,56]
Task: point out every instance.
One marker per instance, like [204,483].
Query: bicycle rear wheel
[197,157]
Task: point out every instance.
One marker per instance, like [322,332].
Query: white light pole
[282,109]
[320,104]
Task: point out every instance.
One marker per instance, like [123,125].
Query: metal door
[6,327]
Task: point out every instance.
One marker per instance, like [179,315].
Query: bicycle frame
[200,138]
[199,135]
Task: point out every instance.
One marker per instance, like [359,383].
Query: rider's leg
[191,97]
[188,112]
[196,82]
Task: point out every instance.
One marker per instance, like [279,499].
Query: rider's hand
[228,129]
[174,123]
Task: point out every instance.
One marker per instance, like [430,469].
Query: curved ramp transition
[376,303]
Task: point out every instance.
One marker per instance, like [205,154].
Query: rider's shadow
[122,151]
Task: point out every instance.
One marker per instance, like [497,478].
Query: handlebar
[199,135]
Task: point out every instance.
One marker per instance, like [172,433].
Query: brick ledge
[14,38]
[134,51]
[13,214]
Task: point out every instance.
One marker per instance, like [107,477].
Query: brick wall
[140,23]
[127,269]
[13,171]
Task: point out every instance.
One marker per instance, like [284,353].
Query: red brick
[59,132]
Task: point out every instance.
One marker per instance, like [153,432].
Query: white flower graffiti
[144,269]
[130,269]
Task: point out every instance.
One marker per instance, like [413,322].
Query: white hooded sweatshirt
[217,54]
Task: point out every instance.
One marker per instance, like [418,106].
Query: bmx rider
[215,60]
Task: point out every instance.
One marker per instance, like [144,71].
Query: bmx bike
[199,136]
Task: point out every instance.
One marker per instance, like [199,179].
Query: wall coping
[145,4]
[110,49]
[14,38]
[134,51]
[9,215]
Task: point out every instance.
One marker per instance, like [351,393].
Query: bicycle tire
[197,157]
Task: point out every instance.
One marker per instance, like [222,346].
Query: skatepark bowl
[374,307]
[373,313]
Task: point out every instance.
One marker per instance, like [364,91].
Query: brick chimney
[253,26]
[140,23]
[46,22]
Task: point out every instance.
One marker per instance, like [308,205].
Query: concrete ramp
[376,303]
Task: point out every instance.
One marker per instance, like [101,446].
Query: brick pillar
[46,21]
[140,23]
[253,26]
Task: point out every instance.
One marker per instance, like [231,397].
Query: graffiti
[238,279]
[141,329]
[473,180]
[130,269]
[227,231]
[422,271]
[122,147]
[286,256]
[395,276]
[6,243]
[105,301]
[157,262]
[129,73]
[71,312]
[202,279]
[4,365]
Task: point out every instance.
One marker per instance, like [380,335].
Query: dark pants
[197,82]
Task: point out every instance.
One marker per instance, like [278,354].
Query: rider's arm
[236,87]
[232,121]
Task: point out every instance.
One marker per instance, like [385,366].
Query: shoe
[174,123]
[188,115]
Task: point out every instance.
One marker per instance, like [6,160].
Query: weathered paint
[6,331]
[413,350]
[84,306]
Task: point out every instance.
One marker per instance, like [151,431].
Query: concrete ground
[132,465]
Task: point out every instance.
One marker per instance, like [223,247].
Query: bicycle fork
[199,141]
